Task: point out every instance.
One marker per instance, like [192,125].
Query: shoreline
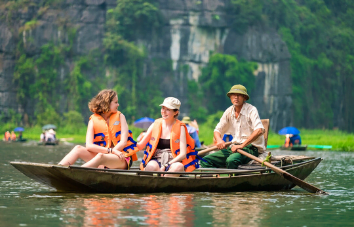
[339,140]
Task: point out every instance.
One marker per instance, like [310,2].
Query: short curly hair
[101,102]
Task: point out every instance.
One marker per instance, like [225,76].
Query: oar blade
[303,184]
[286,175]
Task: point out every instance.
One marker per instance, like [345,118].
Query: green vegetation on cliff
[125,59]
[40,77]
[209,94]
[319,35]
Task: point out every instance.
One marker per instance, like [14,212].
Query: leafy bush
[319,35]
[49,116]
[73,122]
[221,73]
[9,121]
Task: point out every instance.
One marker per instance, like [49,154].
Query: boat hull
[81,179]
[295,148]
[49,143]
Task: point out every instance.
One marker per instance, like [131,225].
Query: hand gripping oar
[308,187]
[212,148]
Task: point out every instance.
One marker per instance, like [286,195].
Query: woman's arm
[124,134]
[145,139]
[90,146]
[118,149]
[182,147]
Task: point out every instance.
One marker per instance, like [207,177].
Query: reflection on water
[107,210]
[243,210]
[24,202]
[168,211]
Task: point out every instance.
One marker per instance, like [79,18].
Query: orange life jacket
[190,162]
[13,136]
[7,136]
[105,135]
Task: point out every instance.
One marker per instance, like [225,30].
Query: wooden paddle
[212,148]
[308,187]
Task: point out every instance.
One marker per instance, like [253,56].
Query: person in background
[291,140]
[20,135]
[169,147]
[7,136]
[195,125]
[141,136]
[109,144]
[42,138]
[295,140]
[227,137]
[13,136]
[243,121]
[192,131]
[50,136]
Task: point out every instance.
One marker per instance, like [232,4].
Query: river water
[24,202]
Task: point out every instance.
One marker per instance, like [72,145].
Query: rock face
[87,17]
[198,28]
[193,30]
[273,77]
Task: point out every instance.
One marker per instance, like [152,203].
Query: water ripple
[40,205]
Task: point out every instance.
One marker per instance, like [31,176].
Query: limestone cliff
[198,28]
[193,29]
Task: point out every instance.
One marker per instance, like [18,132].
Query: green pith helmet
[239,89]
[186,120]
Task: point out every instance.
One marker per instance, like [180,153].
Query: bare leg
[152,166]
[112,161]
[76,153]
[175,167]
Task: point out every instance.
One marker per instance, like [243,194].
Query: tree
[221,73]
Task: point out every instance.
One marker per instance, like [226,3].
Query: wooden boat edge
[65,178]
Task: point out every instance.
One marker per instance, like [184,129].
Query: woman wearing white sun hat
[169,146]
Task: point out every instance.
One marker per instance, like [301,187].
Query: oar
[308,187]
[212,148]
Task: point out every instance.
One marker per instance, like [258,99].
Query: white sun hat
[171,103]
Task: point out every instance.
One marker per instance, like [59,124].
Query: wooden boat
[247,178]
[295,148]
[299,148]
[21,140]
[52,143]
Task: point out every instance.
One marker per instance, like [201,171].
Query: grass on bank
[339,140]
[66,134]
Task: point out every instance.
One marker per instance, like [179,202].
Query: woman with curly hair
[108,141]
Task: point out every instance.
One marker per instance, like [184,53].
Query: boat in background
[298,147]
[50,143]
[295,148]
[21,140]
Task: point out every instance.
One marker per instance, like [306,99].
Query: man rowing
[243,121]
